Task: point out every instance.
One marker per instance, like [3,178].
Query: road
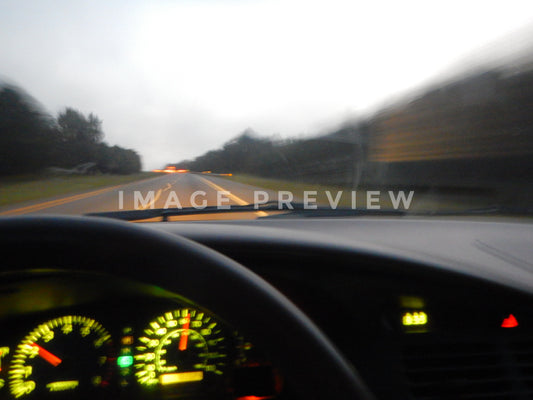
[166,191]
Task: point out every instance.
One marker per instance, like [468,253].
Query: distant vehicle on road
[171,170]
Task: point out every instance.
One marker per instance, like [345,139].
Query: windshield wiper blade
[134,215]
[298,210]
[301,211]
[504,210]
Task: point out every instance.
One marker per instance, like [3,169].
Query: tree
[74,126]
[27,133]
[79,137]
[116,160]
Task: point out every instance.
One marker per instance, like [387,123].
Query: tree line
[32,140]
[475,130]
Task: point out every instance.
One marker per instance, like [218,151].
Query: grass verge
[17,189]
[298,189]
[423,200]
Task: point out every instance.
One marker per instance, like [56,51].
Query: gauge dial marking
[80,343]
[179,346]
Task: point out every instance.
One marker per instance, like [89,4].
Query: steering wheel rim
[315,368]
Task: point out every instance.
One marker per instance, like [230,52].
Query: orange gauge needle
[2,349]
[47,356]
[185,335]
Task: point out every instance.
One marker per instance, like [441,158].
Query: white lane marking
[235,198]
[157,196]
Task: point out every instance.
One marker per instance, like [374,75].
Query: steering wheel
[307,359]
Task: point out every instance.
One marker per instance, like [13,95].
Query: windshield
[247,109]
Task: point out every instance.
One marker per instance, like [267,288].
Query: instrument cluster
[139,347]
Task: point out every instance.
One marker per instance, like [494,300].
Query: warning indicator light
[510,322]
[414,318]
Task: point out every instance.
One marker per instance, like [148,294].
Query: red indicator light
[510,322]
[255,397]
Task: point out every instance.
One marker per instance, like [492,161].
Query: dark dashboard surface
[493,249]
[360,279]
[424,309]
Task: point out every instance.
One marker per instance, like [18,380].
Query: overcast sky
[173,79]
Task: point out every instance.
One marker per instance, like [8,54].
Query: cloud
[174,79]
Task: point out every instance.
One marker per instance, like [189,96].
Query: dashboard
[421,308]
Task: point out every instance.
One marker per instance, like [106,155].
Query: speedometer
[180,346]
[65,354]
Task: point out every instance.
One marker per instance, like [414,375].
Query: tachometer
[65,354]
[180,346]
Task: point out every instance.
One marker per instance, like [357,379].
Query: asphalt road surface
[166,191]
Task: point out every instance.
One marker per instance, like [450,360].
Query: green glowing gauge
[65,354]
[180,346]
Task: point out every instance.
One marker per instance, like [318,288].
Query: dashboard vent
[457,368]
